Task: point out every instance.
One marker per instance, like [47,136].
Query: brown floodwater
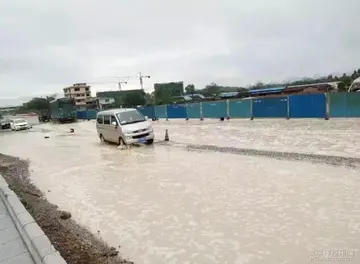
[165,204]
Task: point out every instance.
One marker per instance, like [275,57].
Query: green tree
[163,96]
[190,89]
[212,89]
[258,85]
[341,87]
[347,80]
[37,104]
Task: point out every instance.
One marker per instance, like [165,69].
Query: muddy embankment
[75,243]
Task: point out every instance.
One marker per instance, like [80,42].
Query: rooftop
[229,94]
[267,90]
[115,111]
[78,85]
[313,84]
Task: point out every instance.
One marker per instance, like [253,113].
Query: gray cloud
[45,45]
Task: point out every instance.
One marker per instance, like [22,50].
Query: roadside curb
[38,244]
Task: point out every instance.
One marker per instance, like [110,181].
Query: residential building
[104,102]
[126,98]
[80,92]
[100,103]
[172,88]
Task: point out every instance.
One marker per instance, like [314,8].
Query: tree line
[344,82]
[41,105]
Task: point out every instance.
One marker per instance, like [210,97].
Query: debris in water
[65,215]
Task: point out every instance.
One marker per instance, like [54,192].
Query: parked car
[124,126]
[5,124]
[19,124]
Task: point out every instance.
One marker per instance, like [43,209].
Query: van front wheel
[102,139]
[121,142]
[150,142]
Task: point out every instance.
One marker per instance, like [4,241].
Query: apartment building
[80,92]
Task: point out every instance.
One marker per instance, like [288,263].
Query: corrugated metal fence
[330,105]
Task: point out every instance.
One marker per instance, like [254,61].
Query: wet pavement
[169,203]
[12,247]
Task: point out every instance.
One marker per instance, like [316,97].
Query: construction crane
[120,80]
[141,77]
[124,80]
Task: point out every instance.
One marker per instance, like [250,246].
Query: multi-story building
[80,92]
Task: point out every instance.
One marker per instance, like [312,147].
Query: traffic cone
[166,135]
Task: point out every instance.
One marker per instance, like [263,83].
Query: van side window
[106,120]
[100,120]
[113,119]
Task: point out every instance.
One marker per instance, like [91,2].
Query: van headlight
[126,131]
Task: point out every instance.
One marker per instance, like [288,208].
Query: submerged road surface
[171,203]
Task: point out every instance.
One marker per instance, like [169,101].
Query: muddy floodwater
[169,204]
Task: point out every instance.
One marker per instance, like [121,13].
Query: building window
[87,89]
[106,120]
[77,89]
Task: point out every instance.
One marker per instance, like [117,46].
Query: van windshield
[17,121]
[130,117]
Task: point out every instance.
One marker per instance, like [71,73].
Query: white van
[124,126]
[19,124]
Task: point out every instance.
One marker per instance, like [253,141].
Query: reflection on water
[164,204]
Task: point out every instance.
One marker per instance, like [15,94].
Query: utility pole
[141,77]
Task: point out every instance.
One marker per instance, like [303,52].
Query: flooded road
[167,204]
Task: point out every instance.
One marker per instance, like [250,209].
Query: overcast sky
[46,45]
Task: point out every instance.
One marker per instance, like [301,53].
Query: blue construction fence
[325,106]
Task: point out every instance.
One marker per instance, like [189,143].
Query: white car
[19,124]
